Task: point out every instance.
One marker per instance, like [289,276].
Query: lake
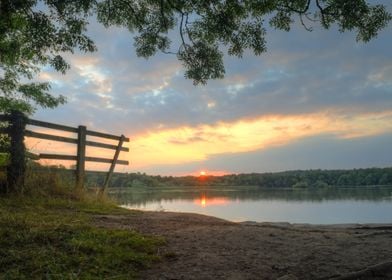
[242,203]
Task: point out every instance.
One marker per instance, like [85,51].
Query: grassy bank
[55,237]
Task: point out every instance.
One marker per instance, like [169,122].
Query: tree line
[287,179]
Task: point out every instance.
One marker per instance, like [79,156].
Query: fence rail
[17,122]
[45,136]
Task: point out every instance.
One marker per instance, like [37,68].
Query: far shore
[204,247]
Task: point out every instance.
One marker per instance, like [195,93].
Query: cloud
[302,72]
[316,152]
[317,79]
[201,143]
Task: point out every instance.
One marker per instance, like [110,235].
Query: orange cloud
[188,144]
[197,143]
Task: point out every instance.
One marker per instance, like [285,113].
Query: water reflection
[143,195]
[324,205]
[205,201]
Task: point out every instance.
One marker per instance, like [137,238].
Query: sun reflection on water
[205,201]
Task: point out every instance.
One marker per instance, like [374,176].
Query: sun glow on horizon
[197,144]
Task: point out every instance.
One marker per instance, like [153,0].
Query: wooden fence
[17,131]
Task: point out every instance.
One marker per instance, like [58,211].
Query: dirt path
[202,247]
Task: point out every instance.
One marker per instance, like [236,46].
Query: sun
[203,173]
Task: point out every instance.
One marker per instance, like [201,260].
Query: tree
[36,34]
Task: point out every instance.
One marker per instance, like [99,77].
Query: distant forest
[287,179]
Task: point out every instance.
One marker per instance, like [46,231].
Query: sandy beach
[203,247]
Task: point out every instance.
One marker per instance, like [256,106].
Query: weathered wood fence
[16,130]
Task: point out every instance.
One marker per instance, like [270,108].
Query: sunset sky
[314,100]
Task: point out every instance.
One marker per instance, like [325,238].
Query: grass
[51,235]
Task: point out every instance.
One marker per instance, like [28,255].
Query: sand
[203,247]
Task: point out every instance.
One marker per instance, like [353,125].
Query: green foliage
[301,184]
[208,27]
[36,34]
[4,157]
[33,35]
[287,179]
[58,240]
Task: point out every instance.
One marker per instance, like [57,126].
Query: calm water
[322,206]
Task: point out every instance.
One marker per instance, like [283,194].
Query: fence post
[81,157]
[113,165]
[17,167]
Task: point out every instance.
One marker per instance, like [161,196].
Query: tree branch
[321,12]
[181,29]
[298,11]
[187,29]
[163,18]
[138,21]
[304,25]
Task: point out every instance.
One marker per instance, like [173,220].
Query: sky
[315,100]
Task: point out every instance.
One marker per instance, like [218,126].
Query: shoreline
[338,226]
[251,222]
[204,247]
